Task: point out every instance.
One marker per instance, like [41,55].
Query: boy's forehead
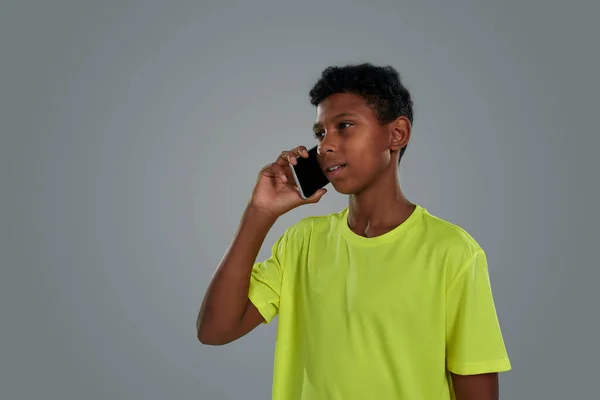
[341,103]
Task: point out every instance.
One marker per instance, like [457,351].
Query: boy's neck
[379,209]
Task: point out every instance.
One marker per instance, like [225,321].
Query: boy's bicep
[474,343]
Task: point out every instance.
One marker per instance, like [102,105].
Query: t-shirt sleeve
[265,281]
[474,342]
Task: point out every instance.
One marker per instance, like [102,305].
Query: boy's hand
[275,190]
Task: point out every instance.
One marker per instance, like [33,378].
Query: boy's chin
[343,189]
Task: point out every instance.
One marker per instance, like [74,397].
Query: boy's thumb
[316,196]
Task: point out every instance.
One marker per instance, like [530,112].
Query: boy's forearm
[227,295]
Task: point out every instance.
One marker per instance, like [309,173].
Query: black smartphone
[308,174]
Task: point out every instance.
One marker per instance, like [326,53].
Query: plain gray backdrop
[132,133]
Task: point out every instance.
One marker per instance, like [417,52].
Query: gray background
[132,133]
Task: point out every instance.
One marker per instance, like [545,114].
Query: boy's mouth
[334,170]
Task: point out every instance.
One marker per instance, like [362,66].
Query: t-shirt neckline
[349,235]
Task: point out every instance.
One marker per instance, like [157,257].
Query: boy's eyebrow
[342,115]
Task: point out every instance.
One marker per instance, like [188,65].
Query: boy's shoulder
[454,247]
[445,234]
[320,224]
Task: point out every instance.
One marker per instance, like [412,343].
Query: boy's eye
[341,126]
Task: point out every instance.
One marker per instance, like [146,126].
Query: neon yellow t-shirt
[377,318]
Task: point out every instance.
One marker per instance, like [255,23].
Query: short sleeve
[474,343]
[265,281]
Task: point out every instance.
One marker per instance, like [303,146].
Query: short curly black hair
[380,86]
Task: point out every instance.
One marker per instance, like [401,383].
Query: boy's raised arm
[226,313]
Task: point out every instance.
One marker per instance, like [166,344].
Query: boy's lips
[333,169]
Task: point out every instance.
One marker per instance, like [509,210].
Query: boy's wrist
[260,214]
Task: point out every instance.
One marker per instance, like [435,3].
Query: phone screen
[308,174]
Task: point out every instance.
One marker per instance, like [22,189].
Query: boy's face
[350,135]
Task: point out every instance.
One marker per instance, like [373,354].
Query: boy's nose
[327,145]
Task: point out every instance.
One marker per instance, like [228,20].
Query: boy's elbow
[204,336]
[209,338]
[208,341]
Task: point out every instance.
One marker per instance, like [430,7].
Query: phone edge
[298,185]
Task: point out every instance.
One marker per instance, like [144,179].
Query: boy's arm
[226,313]
[476,387]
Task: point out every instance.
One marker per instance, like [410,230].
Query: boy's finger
[301,151]
[316,196]
[279,172]
[283,158]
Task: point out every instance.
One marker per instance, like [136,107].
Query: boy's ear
[399,133]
